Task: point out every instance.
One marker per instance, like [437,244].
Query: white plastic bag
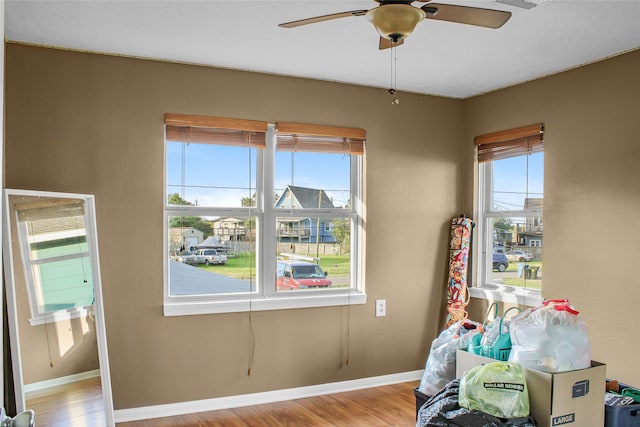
[550,338]
[441,363]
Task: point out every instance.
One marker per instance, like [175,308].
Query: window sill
[62,315]
[193,307]
[509,294]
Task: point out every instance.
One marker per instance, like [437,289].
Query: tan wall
[56,349]
[94,124]
[592,193]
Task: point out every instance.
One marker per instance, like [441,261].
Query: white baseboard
[33,388]
[182,408]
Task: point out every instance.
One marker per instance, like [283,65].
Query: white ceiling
[439,58]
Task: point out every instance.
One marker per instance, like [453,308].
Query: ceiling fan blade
[489,18]
[322,18]
[386,43]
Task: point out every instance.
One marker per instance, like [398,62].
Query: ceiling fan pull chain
[395,67]
[391,69]
[394,74]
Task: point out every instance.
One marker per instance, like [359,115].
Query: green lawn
[513,266]
[336,265]
[521,282]
[339,265]
[240,267]
[243,267]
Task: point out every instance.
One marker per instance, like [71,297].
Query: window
[509,206]
[271,200]
[54,245]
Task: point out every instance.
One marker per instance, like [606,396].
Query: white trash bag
[441,363]
[550,338]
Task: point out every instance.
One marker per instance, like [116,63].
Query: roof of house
[210,242]
[307,197]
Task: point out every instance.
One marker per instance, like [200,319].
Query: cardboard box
[574,398]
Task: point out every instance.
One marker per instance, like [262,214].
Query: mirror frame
[103,356]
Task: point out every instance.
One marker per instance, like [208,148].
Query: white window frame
[482,265]
[34,286]
[266,298]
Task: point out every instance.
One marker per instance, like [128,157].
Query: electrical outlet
[381,307]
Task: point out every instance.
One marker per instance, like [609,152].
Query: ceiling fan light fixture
[395,21]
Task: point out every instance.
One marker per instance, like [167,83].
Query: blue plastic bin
[622,416]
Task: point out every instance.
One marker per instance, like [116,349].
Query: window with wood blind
[55,248]
[509,215]
[260,215]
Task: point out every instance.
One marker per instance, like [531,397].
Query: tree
[196,222]
[503,224]
[249,202]
[342,233]
[250,224]
[175,199]
[502,230]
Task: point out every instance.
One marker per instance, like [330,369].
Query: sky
[220,176]
[516,179]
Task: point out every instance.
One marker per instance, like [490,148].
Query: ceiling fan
[395,20]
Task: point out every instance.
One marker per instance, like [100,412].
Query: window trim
[34,287]
[527,139]
[265,214]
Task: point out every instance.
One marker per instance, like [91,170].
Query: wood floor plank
[81,404]
[76,404]
[386,406]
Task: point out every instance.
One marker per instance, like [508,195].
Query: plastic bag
[475,343]
[495,341]
[499,345]
[441,363]
[498,388]
[443,410]
[550,338]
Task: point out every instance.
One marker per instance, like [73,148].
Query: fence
[310,249]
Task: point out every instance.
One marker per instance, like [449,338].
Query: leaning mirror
[54,305]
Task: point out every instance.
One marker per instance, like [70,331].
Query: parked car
[300,275]
[520,256]
[500,261]
[209,256]
[186,257]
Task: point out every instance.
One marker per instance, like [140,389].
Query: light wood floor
[80,405]
[393,405]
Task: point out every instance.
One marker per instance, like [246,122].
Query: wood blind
[215,130]
[320,139]
[49,208]
[510,143]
